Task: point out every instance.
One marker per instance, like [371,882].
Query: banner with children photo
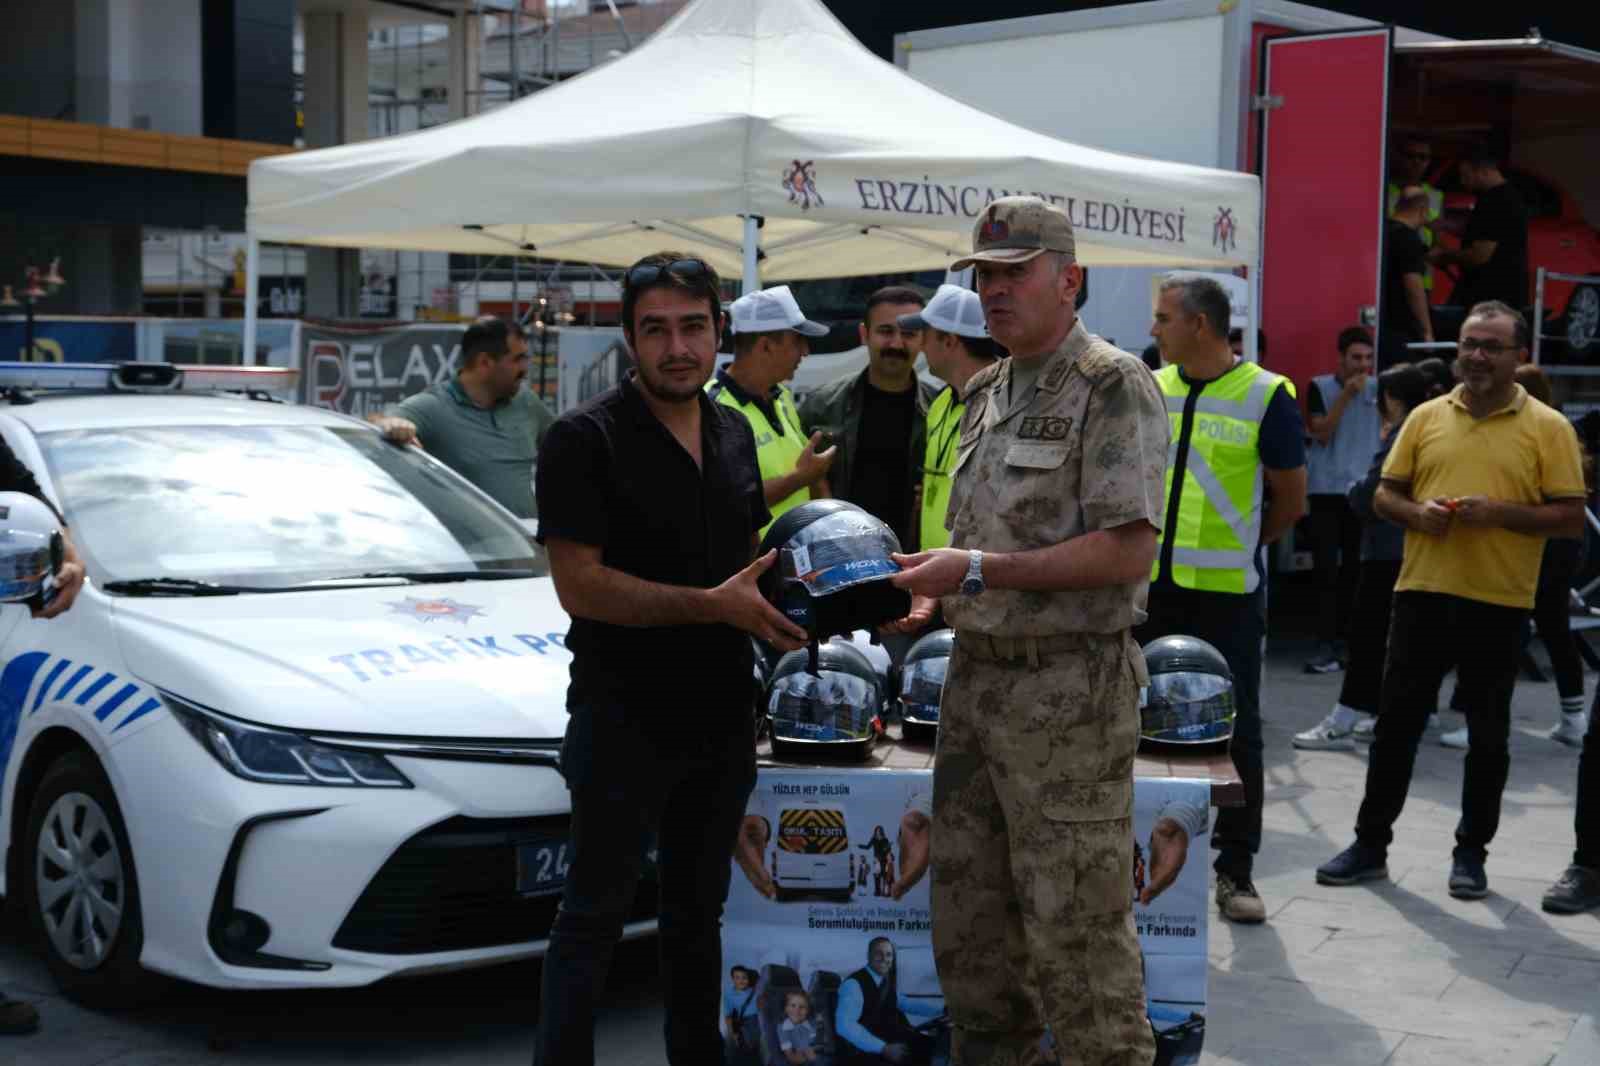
[827,936]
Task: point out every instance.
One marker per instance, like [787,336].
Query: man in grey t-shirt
[484,423]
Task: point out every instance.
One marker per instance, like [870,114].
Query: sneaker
[18,1018]
[1576,892]
[1239,901]
[1363,729]
[1330,734]
[1356,863]
[1570,730]
[1456,738]
[1327,661]
[1467,879]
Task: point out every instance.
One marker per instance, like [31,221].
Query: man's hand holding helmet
[69,582]
[933,573]
[739,602]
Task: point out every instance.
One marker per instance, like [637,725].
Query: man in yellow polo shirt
[957,345]
[769,340]
[1479,478]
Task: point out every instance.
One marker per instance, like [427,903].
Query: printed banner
[362,371]
[827,936]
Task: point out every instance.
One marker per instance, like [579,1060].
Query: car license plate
[542,866]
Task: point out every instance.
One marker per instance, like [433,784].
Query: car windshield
[272,507]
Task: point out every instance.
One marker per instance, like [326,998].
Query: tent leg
[752,250]
[252,288]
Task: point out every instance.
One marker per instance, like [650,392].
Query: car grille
[452,888]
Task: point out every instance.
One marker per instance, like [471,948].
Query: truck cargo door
[1325,107]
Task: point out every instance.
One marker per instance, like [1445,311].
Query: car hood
[469,659]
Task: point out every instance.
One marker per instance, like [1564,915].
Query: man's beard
[666,391]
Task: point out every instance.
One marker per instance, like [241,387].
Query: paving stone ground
[1387,974]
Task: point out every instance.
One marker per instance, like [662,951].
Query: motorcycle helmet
[834,710]
[922,677]
[833,562]
[1190,699]
[760,673]
[882,662]
[31,549]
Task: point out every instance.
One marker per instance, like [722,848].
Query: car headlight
[276,757]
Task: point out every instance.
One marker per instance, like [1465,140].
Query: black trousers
[1552,612]
[1588,816]
[1429,634]
[626,787]
[1236,626]
[1369,636]
[1336,556]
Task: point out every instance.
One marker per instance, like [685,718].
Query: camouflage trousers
[1032,871]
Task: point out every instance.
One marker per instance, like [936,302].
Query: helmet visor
[921,687]
[833,707]
[837,552]
[1189,708]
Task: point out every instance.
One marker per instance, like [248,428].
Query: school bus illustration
[812,851]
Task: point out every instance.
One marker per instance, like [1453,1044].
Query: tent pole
[252,288]
[752,250]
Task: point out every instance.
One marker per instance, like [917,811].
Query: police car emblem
[431,610]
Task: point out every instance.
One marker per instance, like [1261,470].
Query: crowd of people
[1059,503]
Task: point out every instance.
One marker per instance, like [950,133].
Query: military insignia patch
[1039,427]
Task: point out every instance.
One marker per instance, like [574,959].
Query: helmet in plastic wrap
[836,709]
[1190,699]
[831,576]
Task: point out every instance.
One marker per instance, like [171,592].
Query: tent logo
[1222,230]
[800,181]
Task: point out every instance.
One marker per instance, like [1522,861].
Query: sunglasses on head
[650,273]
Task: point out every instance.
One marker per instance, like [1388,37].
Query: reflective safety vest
[938,461]
[776,455]
[1425,231]
[1215,523]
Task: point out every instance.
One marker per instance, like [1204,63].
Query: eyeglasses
[650,273]
[1468,345]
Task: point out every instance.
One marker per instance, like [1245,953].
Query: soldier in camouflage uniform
[1054,514]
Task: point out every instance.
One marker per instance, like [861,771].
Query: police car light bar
[145,377]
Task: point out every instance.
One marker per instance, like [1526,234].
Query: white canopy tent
[738,111]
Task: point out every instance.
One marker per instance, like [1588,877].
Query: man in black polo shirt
[1493,256]
[649,501]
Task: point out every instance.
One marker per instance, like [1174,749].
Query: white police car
[300,727]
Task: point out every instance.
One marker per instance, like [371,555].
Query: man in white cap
[769,340]
[958,345]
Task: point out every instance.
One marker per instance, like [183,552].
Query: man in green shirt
[484,423]
[957,345]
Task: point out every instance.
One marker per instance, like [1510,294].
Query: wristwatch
[973,584]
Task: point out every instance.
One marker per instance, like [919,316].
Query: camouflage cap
[1014,229]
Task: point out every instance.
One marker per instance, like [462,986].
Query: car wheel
[80,889]
[1583,318]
